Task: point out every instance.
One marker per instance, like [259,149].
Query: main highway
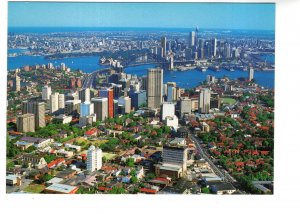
[223,175]
[89,80]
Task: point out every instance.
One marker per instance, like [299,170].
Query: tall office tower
[138,98]
[192,39]
[61,103]
[201,48]
[62,66]
[227,51]
[109,94]
[116,107]
[117,89]
[46,92]
[126,102]
[25,123]
[54,103]
[164,46]
[86,109]
[167,110]
[251,74]
[171,62]
[214,47]
[171,91]
[185,106]
[94,159]
[72,82]
[72,107]
[85,95]
[36,108]
[188,53]
[155,87]
[144,85]
[197,37]
[215,101]
[17,83]
[100,107]
[204,101]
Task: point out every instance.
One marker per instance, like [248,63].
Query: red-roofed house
[91,133]
[148,191]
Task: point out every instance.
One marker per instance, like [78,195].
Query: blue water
[184,79]
[191,78]
[270,58]
[87,64]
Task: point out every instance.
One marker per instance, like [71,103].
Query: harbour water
[185,79]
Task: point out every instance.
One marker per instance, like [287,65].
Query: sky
[161,15]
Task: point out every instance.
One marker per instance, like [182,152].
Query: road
[89,80]
[224,175]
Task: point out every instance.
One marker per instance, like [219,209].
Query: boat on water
[215,68]
[173,76]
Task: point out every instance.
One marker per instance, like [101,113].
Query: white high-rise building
[167,110]
[192,38]
[46,92]
[61,101]
[94,159]
[204,101]
[251,74]
[126,102]
[85,95]
[54,103]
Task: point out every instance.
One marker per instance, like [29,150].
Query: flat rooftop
[63,188]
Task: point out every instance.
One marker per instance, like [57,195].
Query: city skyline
[148,15]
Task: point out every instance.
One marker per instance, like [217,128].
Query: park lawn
[84,143]
[34,188]
[109,156]
[229,101]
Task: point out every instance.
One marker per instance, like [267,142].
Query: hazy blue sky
[203,15]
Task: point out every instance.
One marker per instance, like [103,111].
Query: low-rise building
[57,188]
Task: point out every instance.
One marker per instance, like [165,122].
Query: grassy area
[85,143]
[34,188]
[109,156]
[228,101]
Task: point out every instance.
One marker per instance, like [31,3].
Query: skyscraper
[46,92]
[214,47]
[85,95]
[17,83]
[86,109]
[109,94]
[155,86]
[54,103]
[100,107]
[204,101]
[167,110]
[185,106]
[171,91]
[36,108]
[164,46]
[251,74]
[94,159]
[192,39]
[25,123]
[126,102]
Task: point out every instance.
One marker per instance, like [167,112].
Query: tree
[46,177]
[134,179]
[117,190]
[130,162]
[205,190]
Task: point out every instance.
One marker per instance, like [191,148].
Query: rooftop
[61,188]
